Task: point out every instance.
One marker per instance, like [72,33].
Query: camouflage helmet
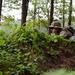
[55,24]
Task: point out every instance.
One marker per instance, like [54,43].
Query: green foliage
[60,72]
[13,4]
[6,28]
[24,50]
[2,37]
[53,52]
[40,23]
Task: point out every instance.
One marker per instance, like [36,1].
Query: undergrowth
[23,52]
[60,72]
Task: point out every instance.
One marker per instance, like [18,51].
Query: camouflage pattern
[67,32]
[55,24]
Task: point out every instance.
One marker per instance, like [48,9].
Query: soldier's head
[55,27]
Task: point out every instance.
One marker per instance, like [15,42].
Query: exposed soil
[65,57]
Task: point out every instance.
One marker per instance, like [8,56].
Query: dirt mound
[59,55]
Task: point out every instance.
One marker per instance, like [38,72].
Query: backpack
[67,32]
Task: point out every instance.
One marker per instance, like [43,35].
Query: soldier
[55,27]
[66,32]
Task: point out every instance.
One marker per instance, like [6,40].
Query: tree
[51,12]
[0,8]
[24,11]
[70,12]
[35,3]
[63,12]
[12,4]
[48,15]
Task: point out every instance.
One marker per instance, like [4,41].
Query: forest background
[42,9]
[39,12]
[25,48]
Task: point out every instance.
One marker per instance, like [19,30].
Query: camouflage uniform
[67,32]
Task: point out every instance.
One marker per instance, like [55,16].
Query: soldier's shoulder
[67,32]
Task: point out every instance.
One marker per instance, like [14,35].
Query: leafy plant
[25,50]
[60,72]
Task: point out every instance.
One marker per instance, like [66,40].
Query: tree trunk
[34,17]
[48,13]
[63,12]
[0,8]
[51,12]
[24,11]
[70,13]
